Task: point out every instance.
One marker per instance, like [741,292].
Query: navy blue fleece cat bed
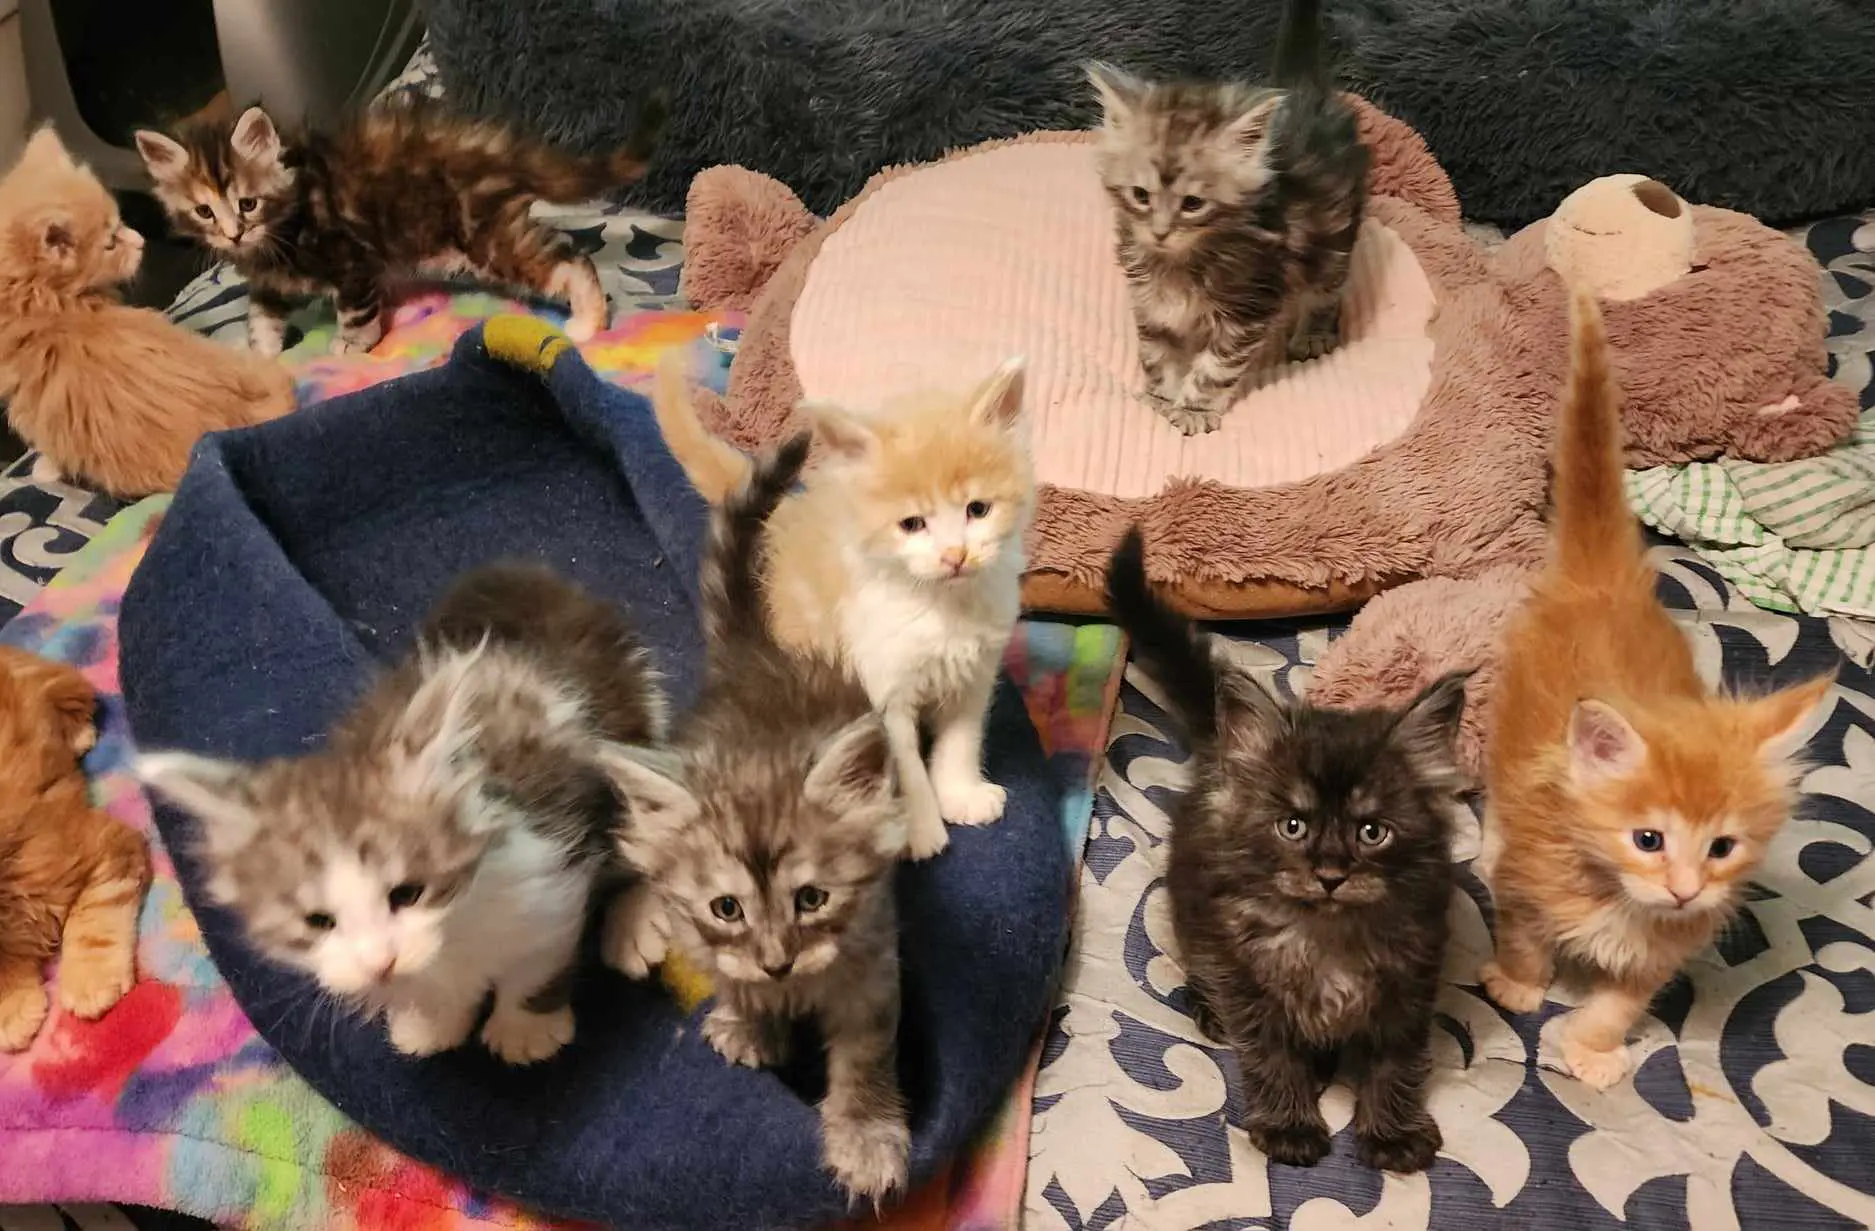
[300,554]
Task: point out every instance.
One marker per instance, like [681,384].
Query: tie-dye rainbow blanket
[172,1100]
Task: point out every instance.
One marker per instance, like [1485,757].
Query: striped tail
[1594,533]
[734,561]
[714,466]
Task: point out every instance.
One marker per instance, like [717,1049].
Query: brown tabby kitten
[401,190]
[1309,877]
[768,841]
[1237,210]
[448,837]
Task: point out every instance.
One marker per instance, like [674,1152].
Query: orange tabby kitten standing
[1628,806]
[71,878]
[111,395]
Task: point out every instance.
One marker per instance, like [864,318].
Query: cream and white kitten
[902,557]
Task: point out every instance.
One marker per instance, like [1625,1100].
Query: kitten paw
[347,343]
[89,986]
[84,740]
[1297,1145]
[583,329]
[1512,994]
[417,1033]
[870,1158]
[637,932]
[521,1037]
[971,803]
[1403,1149]
[1593,1067]
[927,835]
[45,470]
[1192,422]
[755,1045]
[22,1012]
[1313,344]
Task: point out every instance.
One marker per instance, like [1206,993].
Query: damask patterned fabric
[1753,1099]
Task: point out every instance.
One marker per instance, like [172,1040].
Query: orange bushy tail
[1590,524]
[715,467]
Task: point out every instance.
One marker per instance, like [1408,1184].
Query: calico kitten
[1309,877]
[115,397]
[71,878]
[768,839]
[399,190]
[1628,806]
[448,837]
[1237,209]
[902,558]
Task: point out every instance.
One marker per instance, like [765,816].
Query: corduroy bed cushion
[300,554]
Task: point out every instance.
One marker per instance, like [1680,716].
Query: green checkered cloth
[1792,536]
[1789,534]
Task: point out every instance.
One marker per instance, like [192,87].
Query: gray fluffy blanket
[1762,105]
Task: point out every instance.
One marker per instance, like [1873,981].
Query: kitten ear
[1248,717]
[213,791]
[1428,728]
[1602,744]
[997,402]
[58,239]
[45,150]
[1784,719]
[853,773]
[651,782]
[431,740]
[162,156]
[1253,109]
[1120,92]
[255,138]
[845,434]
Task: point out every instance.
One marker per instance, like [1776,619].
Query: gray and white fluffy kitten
[767,840]
[1237,210]
[449,835]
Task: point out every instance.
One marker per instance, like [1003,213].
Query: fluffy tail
[732,564]
[1173,651]
[475,150]
[1589,522]
[1301,58]
[561,178]
[715,467]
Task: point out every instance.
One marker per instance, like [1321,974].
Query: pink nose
[1682,899]
[953,558]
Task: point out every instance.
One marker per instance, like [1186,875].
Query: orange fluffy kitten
[110,395]
[1628,806]
[65,868]
[902,558]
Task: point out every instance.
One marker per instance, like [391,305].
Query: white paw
[1192,422]
[1508,992]
[45,470]
[637,932]
[416,1033]
[1593,1067]
[926,835]
[521,1037]
[582,329]
[22,1012]
[870,1158]
[970,802]
[740,1041]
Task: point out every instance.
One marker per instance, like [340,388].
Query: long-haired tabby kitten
[1628,806]
[115,397]
[448,836]
[768,839]
[1237,210]
[901,557]
[400,190]
[1309,878]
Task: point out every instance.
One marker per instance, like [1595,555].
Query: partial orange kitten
[112,396]
[1628,806]
[902,558]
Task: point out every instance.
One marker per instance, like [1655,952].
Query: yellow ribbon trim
[527,342]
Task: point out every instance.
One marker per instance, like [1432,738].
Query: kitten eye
[319,921]
[1141,197]
[726,908]
[1373,833]
[809,898]
[1649,840]
[247,205]
[911,525]
[1721,847]
[203,211]
[1293,828]
[977,510]
[407,894]
[1191,205]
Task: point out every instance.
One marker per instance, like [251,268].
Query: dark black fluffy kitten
[1310,873]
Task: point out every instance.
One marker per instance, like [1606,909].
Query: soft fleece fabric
[299,554]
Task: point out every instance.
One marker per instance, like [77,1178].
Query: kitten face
[941,488]
[224,185]
[59,227]
[1176,158]
[1334,810]
[1682,816]
[768,859]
